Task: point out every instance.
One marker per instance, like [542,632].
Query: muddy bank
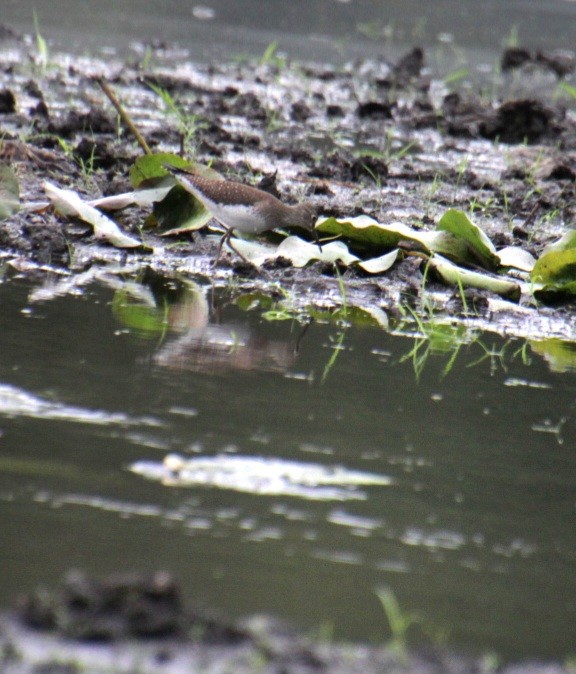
[384,140]
[138,622]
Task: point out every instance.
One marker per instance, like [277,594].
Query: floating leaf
[301,252]
[479,245]
[366,230]
[9,192]
[454,275]
[295,249]
[69,203]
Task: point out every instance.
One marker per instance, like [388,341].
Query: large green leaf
[479,245]
[152,166]
[180,212]
[365,230]
[457,238]
[454,275]
[555,273]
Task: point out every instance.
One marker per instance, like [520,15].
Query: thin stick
[532,215]
[124,116]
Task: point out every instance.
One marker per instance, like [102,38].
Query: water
[322,30]
[477,531]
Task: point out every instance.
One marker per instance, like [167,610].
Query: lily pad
[454,275]
[517,258]
[69,203]
[180,212]
[479,245]
[295,249]
[142,198]
[366,230]
[378,265]
[555,272]
[152,166]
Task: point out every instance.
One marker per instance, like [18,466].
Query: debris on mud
[371,138]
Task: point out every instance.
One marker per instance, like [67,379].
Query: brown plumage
[244,208]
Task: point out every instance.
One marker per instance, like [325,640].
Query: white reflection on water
[262,475]
[16,402]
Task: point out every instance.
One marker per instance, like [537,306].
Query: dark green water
[477,533]
[327,31]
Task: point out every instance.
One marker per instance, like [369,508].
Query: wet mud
[140,622]
[376,138]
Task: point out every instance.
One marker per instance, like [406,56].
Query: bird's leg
[225,238]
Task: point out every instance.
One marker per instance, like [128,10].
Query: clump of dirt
[139,622]
[119,607]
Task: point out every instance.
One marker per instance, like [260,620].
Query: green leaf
[557,267]
[366,230]
[479,245]
[180,212]
[558,353]
[152,166]
[454,275]
[556,272]
[9,192]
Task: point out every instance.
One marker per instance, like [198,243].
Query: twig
[532,215]
[124,116]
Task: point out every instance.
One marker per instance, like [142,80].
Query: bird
[244,208]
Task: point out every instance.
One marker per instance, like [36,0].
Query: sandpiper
[244,208]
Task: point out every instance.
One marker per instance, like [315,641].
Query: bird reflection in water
[195,344]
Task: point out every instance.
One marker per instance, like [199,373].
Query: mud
[385,140]
[139,622]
